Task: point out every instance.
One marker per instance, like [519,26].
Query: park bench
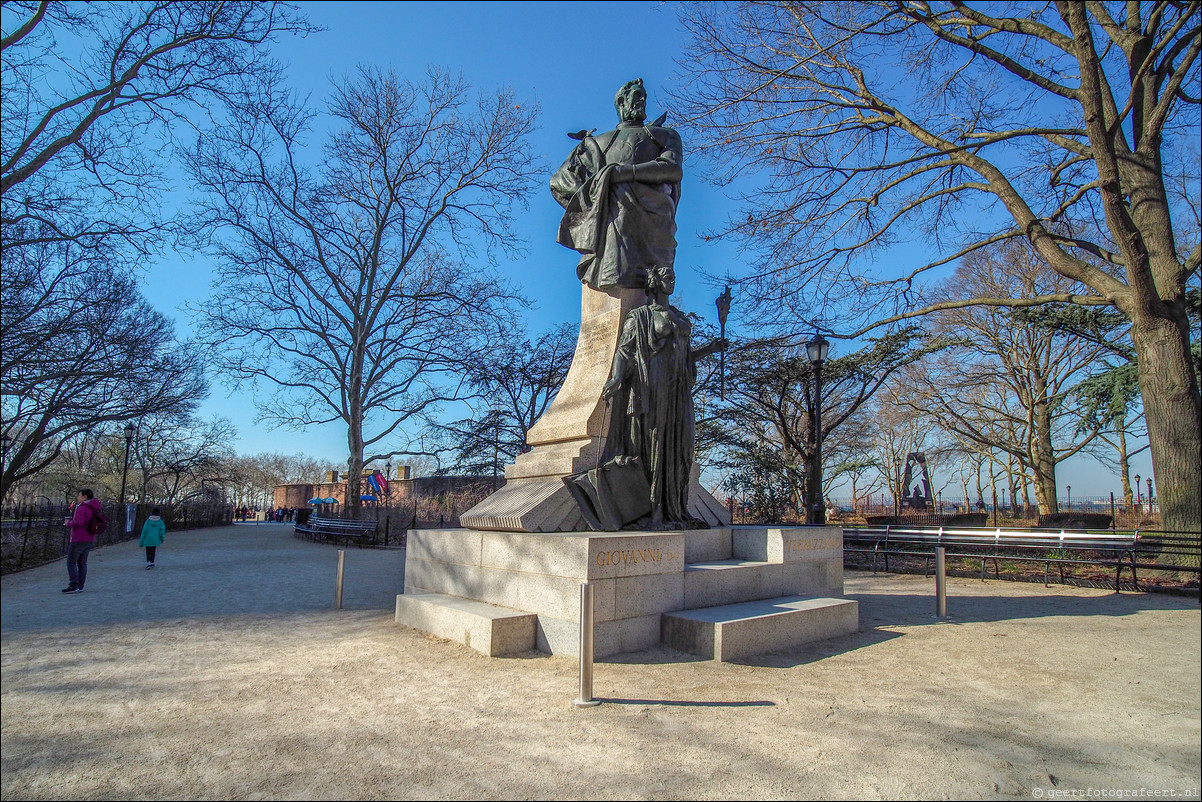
[1165,551]
[333,529]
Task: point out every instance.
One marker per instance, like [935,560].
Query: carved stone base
[482,589]
[543,504]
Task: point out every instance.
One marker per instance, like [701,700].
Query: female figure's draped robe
[653,408]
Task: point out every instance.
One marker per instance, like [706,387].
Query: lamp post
[816,350]
[496,442]
[388,487]
[1139,500]
[5,442]
[1149,495]
[1069,488]
[129,438]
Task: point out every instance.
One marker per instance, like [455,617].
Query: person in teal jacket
[153,534]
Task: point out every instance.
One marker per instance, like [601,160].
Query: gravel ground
[225,673]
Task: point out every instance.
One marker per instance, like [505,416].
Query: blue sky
[570,58]
[535,49]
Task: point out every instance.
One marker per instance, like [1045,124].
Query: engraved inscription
[629,557]
[814,544]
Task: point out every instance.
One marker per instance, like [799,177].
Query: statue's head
[631,101]
[661,279]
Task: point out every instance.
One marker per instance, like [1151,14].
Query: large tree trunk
[1043,457]
[1124,468]
[1171,408]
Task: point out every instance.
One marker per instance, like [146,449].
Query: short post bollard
[940,582]
[586,648]
[338,582]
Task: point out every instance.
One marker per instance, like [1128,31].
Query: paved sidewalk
[225,673]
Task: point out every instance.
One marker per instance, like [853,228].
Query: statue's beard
[632,115]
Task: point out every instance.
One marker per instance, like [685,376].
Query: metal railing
[1118,550]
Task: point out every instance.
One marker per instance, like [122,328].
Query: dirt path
[225,674]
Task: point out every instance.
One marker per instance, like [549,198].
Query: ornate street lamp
[1139,500]
[1149,494]
[816,350]
[129,438]
[1069,488]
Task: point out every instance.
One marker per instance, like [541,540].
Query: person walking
[153,534]
[84,523]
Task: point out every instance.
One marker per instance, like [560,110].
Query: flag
[374,481]
[382,482]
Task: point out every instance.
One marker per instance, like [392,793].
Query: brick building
[298,495]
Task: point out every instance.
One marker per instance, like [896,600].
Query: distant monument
[916,485]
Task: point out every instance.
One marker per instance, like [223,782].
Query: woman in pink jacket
[82,539]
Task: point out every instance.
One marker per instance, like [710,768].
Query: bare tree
[1067,124]
[515,383]
[81,351]
[83,136]
[1008,383]
[171,454]
[897,433]
[92,95]
[334,289]
[773,391]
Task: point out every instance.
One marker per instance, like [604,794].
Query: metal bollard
[586,648]
[338,582]
[940,582]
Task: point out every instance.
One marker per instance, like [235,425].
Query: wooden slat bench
[331,529]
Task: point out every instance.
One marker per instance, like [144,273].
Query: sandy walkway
[226,674]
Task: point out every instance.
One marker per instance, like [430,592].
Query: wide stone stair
[742,597]
[724,594]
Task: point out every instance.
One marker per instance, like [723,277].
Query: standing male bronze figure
[619,191]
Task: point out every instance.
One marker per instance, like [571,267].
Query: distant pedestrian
[85,523]
[153,535]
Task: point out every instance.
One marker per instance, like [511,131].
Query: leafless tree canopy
[948,127]
[881,123]
[515,381]
[92,93]
[81,349]
[92,97]
[345,288]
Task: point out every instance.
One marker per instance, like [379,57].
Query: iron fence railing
[34,534]
[1158,550]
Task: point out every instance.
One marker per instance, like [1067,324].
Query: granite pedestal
[637,577]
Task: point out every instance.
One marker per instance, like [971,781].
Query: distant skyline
[570,58]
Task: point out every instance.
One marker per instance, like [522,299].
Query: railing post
[586,648]
[940,582]
[338,581]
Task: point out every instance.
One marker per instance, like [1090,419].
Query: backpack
[98,524]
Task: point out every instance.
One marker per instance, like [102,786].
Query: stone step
[732,631]
[713,582]
[702,545]
[487,628]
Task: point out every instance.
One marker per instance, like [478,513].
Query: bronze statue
[647,459]
[619,191]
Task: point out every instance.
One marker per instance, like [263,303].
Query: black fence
[34,534]
[1151,559]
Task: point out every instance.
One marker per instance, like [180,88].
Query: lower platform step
[487,628]
[733,631]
